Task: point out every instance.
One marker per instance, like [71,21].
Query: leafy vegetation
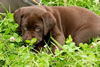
[14,54]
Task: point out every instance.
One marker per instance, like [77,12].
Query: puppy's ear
[18,19]
[49,22]
[18,16]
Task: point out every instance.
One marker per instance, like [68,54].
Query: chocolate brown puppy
[38,21]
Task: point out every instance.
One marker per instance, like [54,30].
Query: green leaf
[27,41]
[33,41]
[2,62]
[18,39]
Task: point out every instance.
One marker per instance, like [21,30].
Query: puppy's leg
[60,39]
[58,36]
[82,36]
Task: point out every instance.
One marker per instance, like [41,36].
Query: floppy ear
[18,18]
[48,22]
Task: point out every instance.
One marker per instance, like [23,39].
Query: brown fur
[38,21]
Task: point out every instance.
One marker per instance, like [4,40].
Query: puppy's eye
[41,19]
[25,28]
[37,29]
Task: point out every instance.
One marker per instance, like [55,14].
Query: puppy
[39,21]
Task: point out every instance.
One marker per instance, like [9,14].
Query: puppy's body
[78,22]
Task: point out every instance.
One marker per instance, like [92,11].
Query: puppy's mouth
[31,42]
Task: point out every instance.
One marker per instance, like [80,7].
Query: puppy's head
[34,21]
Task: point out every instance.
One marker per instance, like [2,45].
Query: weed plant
[14,54]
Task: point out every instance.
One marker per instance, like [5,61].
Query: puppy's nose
[33,36]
